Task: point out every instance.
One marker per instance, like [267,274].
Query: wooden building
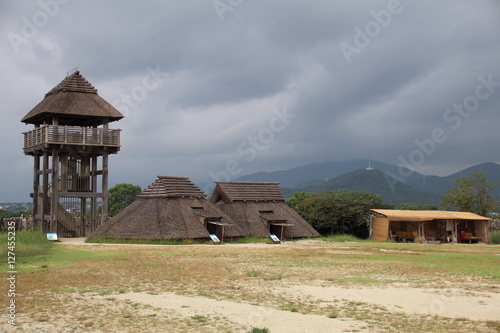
[428,226]
[260,209]
[171,208]
[70,144]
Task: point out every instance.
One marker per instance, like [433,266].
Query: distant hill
[439,185]
[317,173]
[373,181]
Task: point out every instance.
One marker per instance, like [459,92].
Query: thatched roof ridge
[75,83]
[75,102]
[172,187]
[247,191]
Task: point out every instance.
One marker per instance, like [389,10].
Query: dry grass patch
[78,285]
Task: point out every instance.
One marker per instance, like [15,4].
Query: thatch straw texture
[171,208]
[257,206]
[75,102]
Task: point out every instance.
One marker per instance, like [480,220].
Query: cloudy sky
[216,89]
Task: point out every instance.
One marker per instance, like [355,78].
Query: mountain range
[396,185]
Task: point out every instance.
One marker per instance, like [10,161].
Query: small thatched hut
[171,208]
[260,209]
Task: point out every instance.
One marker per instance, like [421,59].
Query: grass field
[84,288]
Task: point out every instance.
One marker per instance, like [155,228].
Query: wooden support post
[83,212]
[105,193]
[45,194]
[36,186]
[64,172]
[455,231]
[93,200]
[55,192]
[487,237]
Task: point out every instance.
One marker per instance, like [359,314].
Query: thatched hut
[428,226]
[260,209]
[171,208]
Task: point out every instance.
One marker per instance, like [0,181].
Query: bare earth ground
[345,308]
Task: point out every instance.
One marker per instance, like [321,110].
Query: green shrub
[495,236]
[340,238]
[249,240]
[259,330]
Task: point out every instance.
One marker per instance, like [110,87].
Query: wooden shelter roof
[247,191]
[172,187]
[75,102]
[427,215]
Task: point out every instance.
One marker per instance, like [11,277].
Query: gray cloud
[223,80]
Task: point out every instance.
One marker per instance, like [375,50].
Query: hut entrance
[276,224]
[216,227]
[278,228]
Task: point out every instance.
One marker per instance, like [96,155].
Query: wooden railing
[71,135]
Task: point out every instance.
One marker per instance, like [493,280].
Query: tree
[122,195]
[337,212]
[410,206]
[471,194]
[4,213]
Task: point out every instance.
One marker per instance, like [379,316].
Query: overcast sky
[219,89]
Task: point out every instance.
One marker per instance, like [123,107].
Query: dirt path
[451,303]
[276,321]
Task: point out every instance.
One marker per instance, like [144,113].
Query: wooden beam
[45,172]
[66,194]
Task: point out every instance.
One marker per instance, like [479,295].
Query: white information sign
[215,239]
[274,238]
[52,236]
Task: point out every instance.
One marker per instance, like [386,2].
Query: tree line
[345,212]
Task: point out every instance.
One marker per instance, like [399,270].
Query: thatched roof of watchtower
[171,208]
[74,101]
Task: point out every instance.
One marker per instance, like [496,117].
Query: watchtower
[71,143]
